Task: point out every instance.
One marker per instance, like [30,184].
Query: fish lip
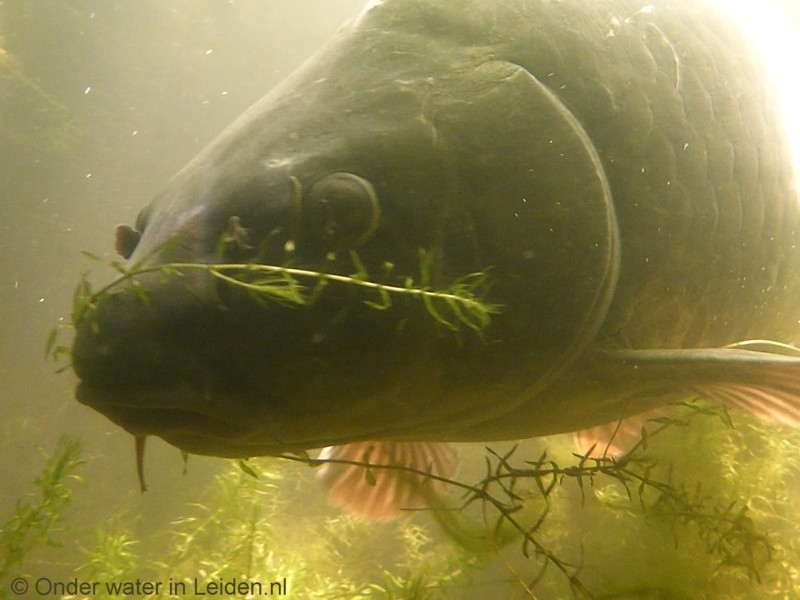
[162,397]
[162,411]
[141,412]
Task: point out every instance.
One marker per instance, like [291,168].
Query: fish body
[617,170]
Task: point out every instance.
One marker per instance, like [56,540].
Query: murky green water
[101,102]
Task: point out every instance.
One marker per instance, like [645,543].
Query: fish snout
[145,334]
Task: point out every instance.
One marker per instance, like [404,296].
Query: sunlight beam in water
[776,34]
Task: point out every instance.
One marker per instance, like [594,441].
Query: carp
[613,175]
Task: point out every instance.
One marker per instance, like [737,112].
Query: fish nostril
[133,339]
[127,238]
[234,243]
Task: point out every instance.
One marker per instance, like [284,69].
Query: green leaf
[245,466]
[51,342]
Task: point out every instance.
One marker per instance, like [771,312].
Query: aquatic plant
[656,523]
[39,516]
[698,509]
[11,68]
[690,527]
[251,531]
[461,304]
[19,83]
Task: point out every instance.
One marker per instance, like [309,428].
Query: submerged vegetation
[251,531]
[39,516]
[460,305]
[656,523]
[51,126]
[12,69]
[697,509]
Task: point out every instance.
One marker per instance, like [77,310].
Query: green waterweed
[460,305]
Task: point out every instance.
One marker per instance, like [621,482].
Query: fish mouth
[209,427]
[221,422]
[227,376]
[162,412]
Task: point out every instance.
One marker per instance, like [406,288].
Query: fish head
[391,158]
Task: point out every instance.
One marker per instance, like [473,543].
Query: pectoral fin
[381,493]
[759,376]
[614,439]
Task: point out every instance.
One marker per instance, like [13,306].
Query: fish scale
[739,195]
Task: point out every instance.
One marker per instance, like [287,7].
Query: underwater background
[101,102]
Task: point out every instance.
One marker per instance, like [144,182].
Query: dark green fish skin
[618,167]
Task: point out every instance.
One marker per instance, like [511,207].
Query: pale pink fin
[767,385]
[385,493]
[770,401]
[763,379]
[614,439]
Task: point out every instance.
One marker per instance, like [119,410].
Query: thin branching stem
[460,304]
[477,492]
[726,529]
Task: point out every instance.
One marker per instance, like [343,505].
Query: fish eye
[340,211]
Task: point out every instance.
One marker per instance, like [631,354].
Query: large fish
[616,169]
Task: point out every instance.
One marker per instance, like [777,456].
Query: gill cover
[542,213]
